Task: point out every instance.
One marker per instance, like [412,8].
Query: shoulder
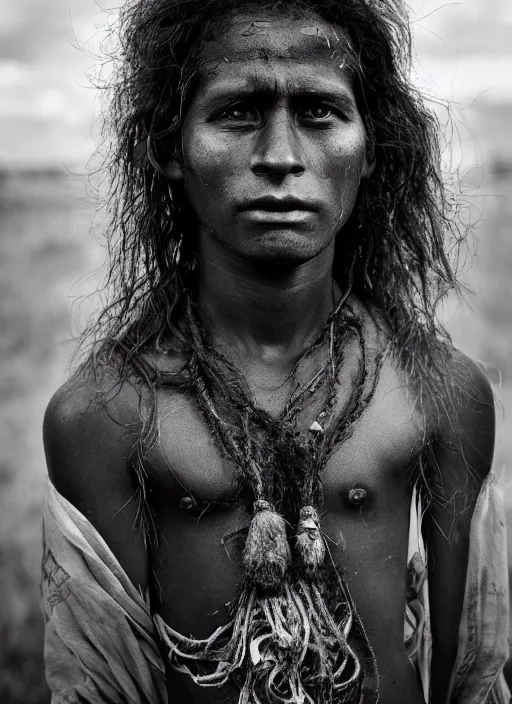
[460,453]
[467,421]
[89,430]
[106,407]
[459,423]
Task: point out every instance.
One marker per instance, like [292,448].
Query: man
[269,404]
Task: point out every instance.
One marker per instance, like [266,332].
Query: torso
[197,564]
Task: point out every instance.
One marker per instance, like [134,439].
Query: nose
[278,151]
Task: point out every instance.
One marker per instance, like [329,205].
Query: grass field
[46,250]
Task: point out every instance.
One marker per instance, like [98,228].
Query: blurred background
[48,119]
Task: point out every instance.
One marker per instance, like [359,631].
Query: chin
[283,250]
[280,259]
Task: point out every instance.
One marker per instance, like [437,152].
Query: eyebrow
[216,97]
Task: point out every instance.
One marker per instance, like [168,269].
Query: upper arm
[88,441]
[463,453]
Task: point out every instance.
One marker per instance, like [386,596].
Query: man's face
[273,145]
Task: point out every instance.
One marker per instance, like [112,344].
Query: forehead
[249,43]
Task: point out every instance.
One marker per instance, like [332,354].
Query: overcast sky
[46,105]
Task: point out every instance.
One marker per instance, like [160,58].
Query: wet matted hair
[393,253]
[292,612]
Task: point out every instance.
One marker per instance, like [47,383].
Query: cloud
[469,79]
[45,96]
[463,28]
[46,102]
[33,30]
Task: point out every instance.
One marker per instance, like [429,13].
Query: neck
[260,307]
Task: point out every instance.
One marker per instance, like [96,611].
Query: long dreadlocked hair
[393,253]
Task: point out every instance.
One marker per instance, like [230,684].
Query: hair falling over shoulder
[394,252]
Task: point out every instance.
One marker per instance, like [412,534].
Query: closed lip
[278,204]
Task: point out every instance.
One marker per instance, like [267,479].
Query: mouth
[272,210]
[274,204]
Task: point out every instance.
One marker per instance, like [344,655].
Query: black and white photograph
[256,351]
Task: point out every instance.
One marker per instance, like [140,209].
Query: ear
[369,159]
[174,170]
[368,167]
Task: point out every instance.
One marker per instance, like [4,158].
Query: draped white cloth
[100,639]
[102,645]
[483,647]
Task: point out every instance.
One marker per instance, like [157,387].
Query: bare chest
[366,493]
[188,467]
[364,517]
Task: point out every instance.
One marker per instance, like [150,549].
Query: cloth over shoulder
[100,639]
[102,644]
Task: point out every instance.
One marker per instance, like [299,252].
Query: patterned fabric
[102,645]
[100,640]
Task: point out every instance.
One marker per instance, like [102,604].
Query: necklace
[294,632]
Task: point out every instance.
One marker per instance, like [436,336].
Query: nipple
[187,503]
[357,496]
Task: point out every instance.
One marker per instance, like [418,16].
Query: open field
[46,249]
[42,257]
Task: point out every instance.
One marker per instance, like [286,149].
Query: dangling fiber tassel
[310,543]
[286,648]
[267,553]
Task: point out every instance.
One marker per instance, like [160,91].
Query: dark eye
[317,112]
[241,112]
